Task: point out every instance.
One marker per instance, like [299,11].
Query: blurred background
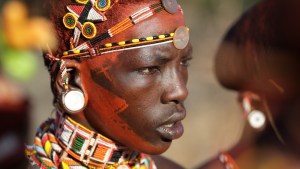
[214,121]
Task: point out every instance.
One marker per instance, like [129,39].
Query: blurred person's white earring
[256,118]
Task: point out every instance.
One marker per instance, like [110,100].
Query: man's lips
[171,132]
[172,129]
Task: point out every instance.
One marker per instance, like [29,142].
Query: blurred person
[119,84]
[14,121]
[259,58]
[17,65]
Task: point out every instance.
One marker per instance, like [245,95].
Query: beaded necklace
[228,161]
[64,143]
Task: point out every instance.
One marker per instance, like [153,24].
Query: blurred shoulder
[164,163]
[214,163]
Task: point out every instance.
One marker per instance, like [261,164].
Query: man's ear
[71,92]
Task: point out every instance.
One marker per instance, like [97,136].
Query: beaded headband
[82,15]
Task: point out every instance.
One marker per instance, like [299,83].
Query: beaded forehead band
[82,15]
[180,38]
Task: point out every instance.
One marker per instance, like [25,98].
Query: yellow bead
[65,53]
[82,1]
[65,166]
[135,40]
[143,167]
[149,38]
[161,36]
[48,147]
[122,43]
[172,34]
[108,45]
[76,51]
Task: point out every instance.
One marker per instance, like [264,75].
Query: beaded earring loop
[72,99]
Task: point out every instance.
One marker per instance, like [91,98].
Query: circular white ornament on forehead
[181,37]
[170,5]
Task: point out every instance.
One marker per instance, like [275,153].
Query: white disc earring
[257,119]
[73,100]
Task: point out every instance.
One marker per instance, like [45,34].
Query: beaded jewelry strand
[228,161]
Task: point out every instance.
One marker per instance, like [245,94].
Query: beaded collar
[91,148]
[228,161]
[64,143]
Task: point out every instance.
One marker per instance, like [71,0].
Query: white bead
[256,119]
[123,167]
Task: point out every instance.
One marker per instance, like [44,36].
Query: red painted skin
[131,94]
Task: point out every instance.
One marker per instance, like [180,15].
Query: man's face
[136,97]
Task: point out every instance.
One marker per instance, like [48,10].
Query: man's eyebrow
[161,59]
[158,58]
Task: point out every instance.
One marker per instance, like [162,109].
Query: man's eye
[149,70]
[185,62]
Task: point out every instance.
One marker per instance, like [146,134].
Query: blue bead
[102,3]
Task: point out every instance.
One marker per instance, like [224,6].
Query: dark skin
[139,93]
